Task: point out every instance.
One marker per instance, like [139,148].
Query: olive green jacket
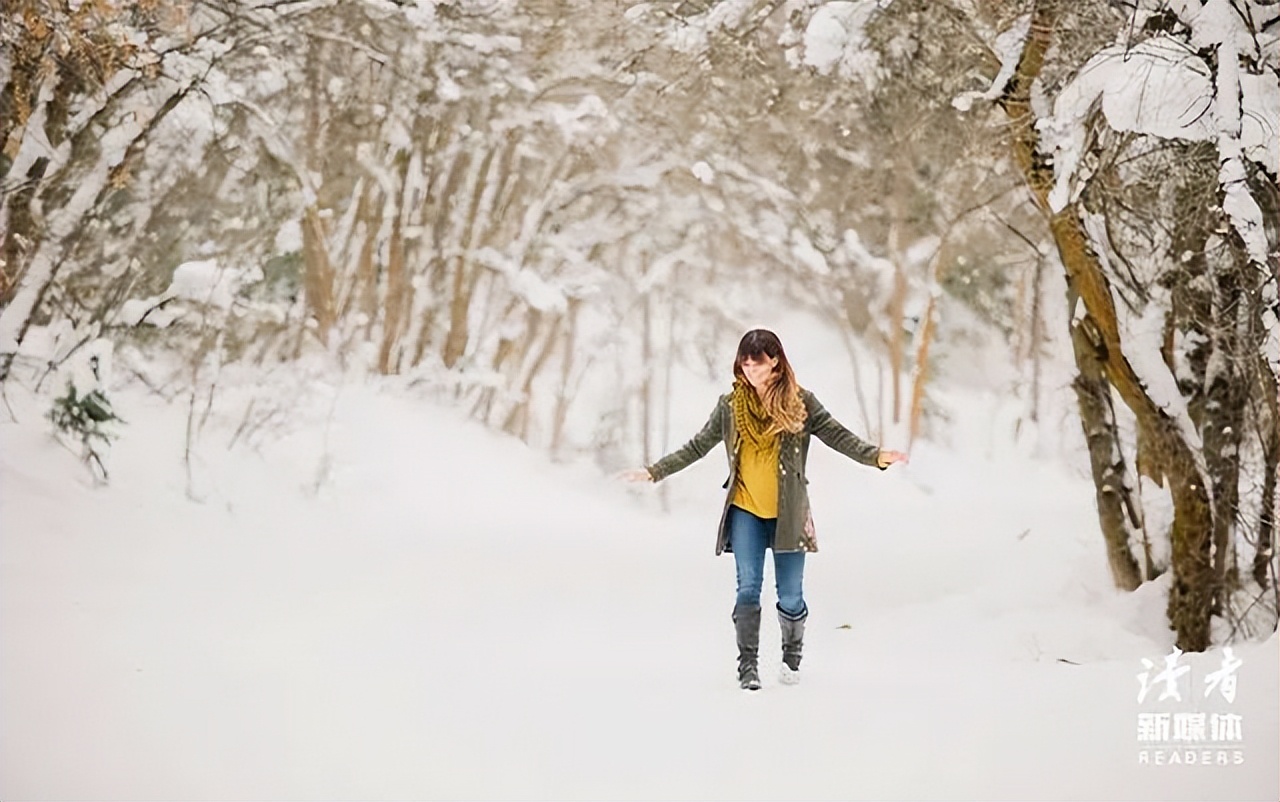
[795,524]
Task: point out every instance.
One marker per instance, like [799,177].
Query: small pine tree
[85,417]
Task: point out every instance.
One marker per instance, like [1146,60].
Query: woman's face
[759,372]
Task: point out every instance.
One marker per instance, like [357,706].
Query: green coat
[793,491]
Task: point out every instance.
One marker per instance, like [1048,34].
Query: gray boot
[792,644]
[746,621]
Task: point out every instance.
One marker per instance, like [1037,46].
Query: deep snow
[380,599]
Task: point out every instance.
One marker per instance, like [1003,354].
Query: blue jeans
[749,536]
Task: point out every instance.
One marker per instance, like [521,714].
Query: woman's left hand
[636,475]
[886,458]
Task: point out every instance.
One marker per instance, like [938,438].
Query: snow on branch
[523,282]
[835,41]
[1008,48]
[1164,88]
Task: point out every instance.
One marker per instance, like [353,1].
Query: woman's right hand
[636,475]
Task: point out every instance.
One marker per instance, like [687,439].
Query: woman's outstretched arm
[686,455]
[827,429]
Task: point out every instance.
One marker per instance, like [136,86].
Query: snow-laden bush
[86,416]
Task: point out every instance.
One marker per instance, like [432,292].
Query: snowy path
[450,617]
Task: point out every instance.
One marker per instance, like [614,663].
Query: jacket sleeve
[692,451]
[828,430]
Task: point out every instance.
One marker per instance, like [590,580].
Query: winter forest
[301,297]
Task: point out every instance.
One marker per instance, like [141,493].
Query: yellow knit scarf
[752,420]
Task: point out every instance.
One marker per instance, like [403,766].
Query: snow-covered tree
[1154,197]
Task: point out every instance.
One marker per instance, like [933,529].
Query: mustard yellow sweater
[756,489]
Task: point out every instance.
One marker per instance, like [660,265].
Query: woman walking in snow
[765,423]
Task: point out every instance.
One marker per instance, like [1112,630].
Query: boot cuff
[802,615]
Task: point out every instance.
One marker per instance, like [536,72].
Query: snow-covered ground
[382,600]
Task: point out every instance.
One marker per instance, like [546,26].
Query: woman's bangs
[755,355]
[757,346]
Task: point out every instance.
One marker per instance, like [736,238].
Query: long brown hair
[782,397]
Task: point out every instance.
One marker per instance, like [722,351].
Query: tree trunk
[477,188]
[517,422]
[317,278]
[20,234]
[669,361]
[399,297]
[317,273]
[924,338]
[1037,336]
[1191,595]
[1118,514]
[1227,394]
[561,413]
[1265,553]
[646,385]
[897,311]
[920,370]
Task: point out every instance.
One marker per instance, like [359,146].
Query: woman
[765,423]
